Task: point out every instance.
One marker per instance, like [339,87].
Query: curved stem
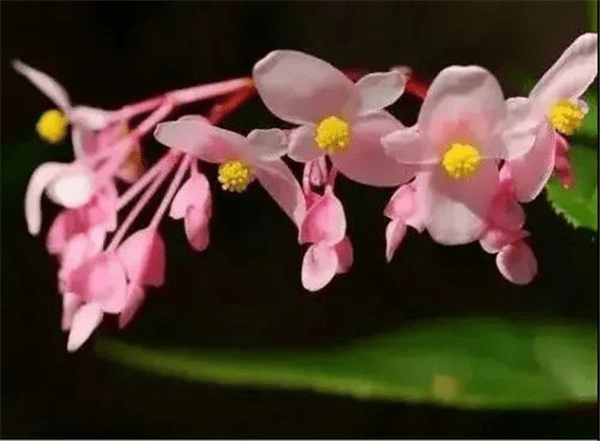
[331,178]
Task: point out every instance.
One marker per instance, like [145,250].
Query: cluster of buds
[461,172]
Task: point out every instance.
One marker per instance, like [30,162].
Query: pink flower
[330,252]
[404,209]
[337,117]
[461,133]
[504,235]
[99,211]
[555,107]
[241,159]
[193,204]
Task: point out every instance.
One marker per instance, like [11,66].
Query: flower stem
[206,91]
[183,166]
[221,110]
[141,203]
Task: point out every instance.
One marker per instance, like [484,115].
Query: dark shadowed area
[245,291]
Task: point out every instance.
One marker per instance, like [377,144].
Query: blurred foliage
[466,362]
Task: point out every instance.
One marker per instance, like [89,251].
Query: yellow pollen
[333,135]
[52,126]
[566,116]
[461,160]
[234,175]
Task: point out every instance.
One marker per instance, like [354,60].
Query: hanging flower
[338,118]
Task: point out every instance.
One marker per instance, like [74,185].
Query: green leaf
[462,362]
[579,203]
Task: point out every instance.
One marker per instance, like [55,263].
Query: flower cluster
[461,172]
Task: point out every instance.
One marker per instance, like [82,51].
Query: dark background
[244,291]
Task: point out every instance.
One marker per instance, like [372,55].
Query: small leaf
[579,203]
[462,362]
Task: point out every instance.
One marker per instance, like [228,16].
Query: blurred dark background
[245,291]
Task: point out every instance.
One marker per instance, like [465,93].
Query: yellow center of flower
[566,116]
[234,175]
[52,126]
[333,135]
[461,160]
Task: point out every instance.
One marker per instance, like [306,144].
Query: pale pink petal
[101,279]
[520,127]
[72,188]
[195,192]
[84,142]
[94,119]
[85,320]
[268,144]
[379,90]
[135,298]
[394,233]
[409,146]
[531,171]
[324,222]
[495,239]
[40,179]
[572,73]
[46,84]
[517,263]
[71,304]
[462,93]
[402,203]
[196,225]
[198,138]
[143,255]
[60,232]
[505,212]
[277,179]
[300,88]
[302,146]
[458,207]
[366,161]
[345,255]
[318,172]
[319,265]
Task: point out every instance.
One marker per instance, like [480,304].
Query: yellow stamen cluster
[333,135]
[566,116]
[234,175]
[52,126]
[461,160]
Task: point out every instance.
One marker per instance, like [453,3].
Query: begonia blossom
[338,118]
[554,104]
[461,133]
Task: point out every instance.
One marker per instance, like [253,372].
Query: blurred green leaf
[589,128]
[579,203]
[462,362]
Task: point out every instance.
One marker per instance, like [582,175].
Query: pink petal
[268,144]
[195,192]
[402,203]
[100,279]
[302,146]
[520,127]
[531,171]
[495,239]
[94,119]
[319,265]
[200,139]
[572,73]
[196,225]
[324,222]
[505,212]
[79,248]
[462,93]
[345,255]
[72,188]
[40,179]
[143,255]
[300,88]
[46,84]
[458,208]
[277,179]
[135,298]
[71,304]
[379,90]
[85,320]
[409,146]
[517,263]
[365,161]
[394,233]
